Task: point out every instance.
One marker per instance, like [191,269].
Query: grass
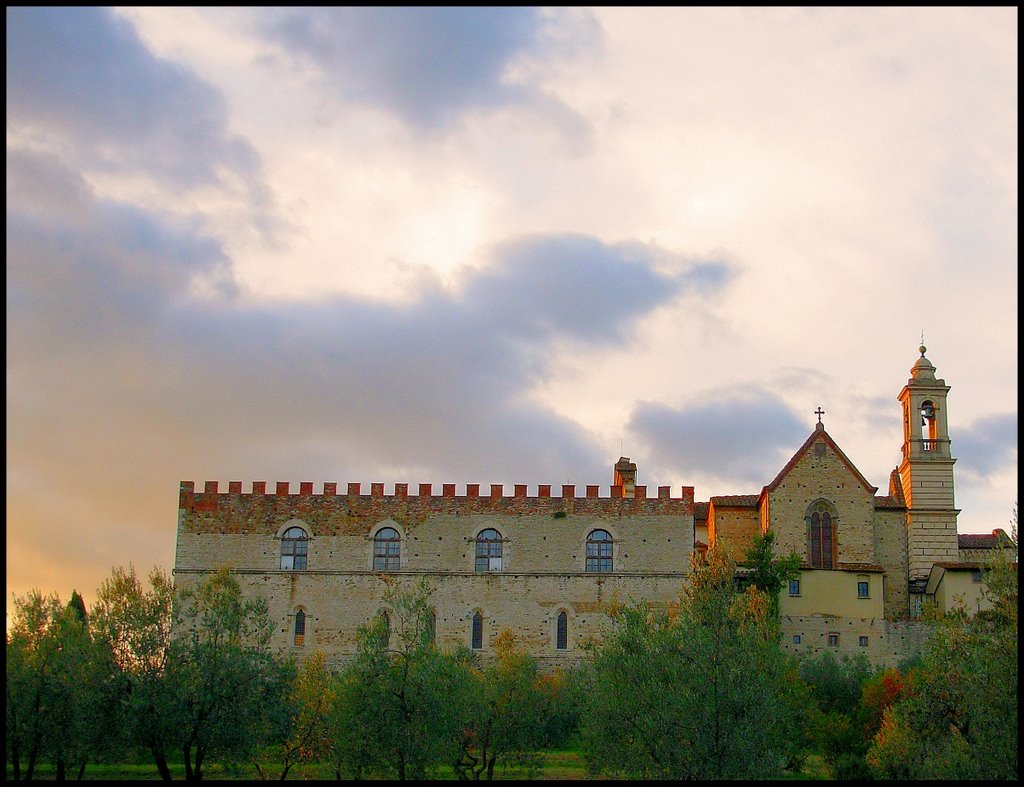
[562,765]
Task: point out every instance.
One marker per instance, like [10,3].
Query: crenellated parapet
[474,499]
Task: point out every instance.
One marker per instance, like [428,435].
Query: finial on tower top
[819,412]
[922,348]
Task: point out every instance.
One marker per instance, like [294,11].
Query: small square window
[862,589]
[863,642]
[833,640]
[794,587]
[796,639]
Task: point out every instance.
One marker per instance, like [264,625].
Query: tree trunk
[31,763]
[490,767]
[60,769]
[199,764]
[81,771]
[161,763]
[187,751]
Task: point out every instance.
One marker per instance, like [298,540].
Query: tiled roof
[745,501]
[959,566]
[994,540]
[864,567]
[888,501]
[700,510]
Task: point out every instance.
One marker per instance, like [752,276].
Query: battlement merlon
[212,498]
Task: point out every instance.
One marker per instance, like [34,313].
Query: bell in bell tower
[926,471]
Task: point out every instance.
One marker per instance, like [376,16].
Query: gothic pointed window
[821,535]
[478,631]
[562,632]
[387,547]
[300,628]
[430,635]
[294,548]
[488,551]
[599,551]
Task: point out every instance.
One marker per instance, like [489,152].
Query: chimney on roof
[625,476]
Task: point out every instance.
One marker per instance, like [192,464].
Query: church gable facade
[546,564]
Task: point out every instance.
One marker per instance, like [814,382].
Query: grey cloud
[734,434]
[426,65]
[82,76]
[82,271]
[102,322]
[985,446]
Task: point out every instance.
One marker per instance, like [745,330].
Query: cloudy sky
[492,246]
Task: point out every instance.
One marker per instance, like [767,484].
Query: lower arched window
[478,631]
[562,632]
[300,628]
[431,626]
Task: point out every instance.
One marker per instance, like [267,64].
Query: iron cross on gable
[819,412]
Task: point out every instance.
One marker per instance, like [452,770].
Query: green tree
[133,625]
[957,718]
[297,721]
[696,692]
[508,712]
[835,683]
[401,703]
[222,677]
[32,649]
[55,686]
[768,573]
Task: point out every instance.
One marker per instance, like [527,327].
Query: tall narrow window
[562,632]
[478,631]
[431,632]
[300,628]
[599,551]
[821,536]
[488,551]
[387,545]
[294,547]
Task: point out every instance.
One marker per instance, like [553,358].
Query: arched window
[928,430]
[488,551]
[821,535]
[386,621]
[478,631]
[599,551]
[294,546]
[431,633]
[387,546]
[300,628]
[562,632]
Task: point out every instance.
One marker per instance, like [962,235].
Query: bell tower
[926,472]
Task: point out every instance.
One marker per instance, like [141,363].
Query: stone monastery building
[546,565]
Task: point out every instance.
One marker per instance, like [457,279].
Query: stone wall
[543,557]
[890,535]
[820,473]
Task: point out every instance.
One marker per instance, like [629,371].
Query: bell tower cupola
[926,471]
